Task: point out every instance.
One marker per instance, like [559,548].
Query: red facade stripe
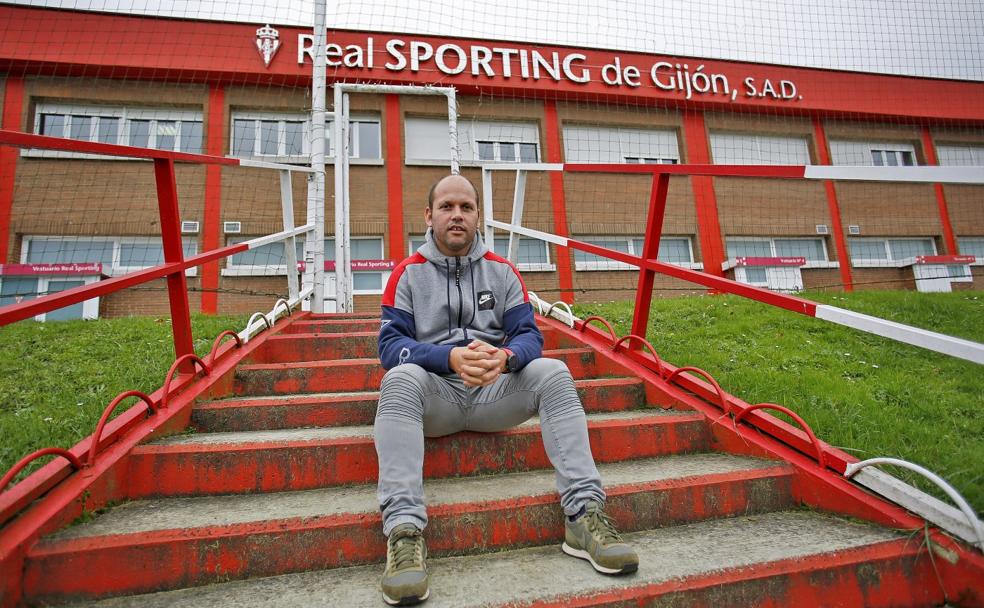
[394,177]
[558,200]
[214,145]
[708,225]
[833,206]
[13,108]
[949,240]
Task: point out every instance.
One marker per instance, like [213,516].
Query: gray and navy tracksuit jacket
[433,303]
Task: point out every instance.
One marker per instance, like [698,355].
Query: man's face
[453,216]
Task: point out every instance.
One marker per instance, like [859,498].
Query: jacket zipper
[457,283]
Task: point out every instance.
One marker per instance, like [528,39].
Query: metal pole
[314,252]
[340,137]
[453,130]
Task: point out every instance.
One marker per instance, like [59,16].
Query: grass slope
[867,395]
[56,378]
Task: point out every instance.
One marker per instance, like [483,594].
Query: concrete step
[173,543]
[792,558]
[333,326]
[337,409]
[366,374]
[294,345]
[297,459]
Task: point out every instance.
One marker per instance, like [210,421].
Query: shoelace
[406,551]
[601,525]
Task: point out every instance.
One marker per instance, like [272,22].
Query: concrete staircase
[271,502]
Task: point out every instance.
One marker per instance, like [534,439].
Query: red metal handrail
[215,345]
[23,462]
[785,410]
[717,387]
[611,330]
[659,362]
[93,447]
[170,374]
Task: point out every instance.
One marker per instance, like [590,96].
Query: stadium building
[244,90]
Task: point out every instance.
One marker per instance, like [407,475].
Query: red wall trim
[394,178]
[708,224]
[215,144]
[949,241]
[183,50]
[13,108]
[552,127]
[837,228]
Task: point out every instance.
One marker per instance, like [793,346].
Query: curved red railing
[717,387]
[170,374]
[23,462]
[215,345]
[785,410]
[93,448]
[611,330]
[659,362]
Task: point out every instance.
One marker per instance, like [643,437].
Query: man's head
[452,211]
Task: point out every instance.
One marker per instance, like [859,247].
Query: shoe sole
[582,554]
[410,600]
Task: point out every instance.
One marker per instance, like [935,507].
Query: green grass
[56,378]
[868,395]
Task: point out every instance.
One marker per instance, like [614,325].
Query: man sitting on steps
[464,353]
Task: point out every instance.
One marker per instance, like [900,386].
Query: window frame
[825,263]
[614,265]
[889,261]
[125,114]
[548,266]
[469,142]
[116,268]
[90,307]
[355,123]
[960,248]
[244,270]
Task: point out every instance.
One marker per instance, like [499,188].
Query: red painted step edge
[182,470]
[141,562]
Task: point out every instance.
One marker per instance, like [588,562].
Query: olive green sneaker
[593,537]
[405,579]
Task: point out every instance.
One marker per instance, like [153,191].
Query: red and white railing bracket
[170,374]
[94,446]
[23,462]
[785,410]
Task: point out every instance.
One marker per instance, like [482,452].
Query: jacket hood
[430,251]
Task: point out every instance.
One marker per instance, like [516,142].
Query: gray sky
[936,38]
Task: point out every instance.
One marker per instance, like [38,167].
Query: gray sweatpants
[415,403]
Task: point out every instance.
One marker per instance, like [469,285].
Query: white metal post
[314,245]
[488,209]
[519,201]
[290,250]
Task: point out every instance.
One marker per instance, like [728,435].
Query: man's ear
[427,216]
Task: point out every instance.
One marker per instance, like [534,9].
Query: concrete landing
[674,559]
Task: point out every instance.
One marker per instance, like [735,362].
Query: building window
[887,252]
[972,245]
[748,149]
[427,141]
[634,160]
[506,152]
[813,249]
[288,136]
[271,259]
[598,144]
[162,129]
[891,158]
[534,254]
[118,255]
[960,155]
[877,154]
[672,250]
[15,289]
